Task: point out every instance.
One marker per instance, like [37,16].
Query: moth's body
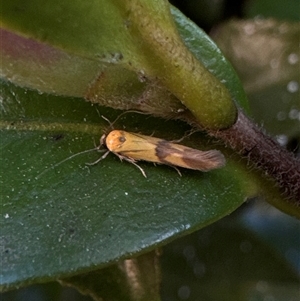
[134,147]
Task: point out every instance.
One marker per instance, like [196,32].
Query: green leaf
[206,51]
[60,219]
[207,264]
[29,63]
[146,44]
[71,25]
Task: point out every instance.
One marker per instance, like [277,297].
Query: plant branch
[264,153]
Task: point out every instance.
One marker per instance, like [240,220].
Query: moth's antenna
[123,113]
[110,124]
[188,133]
[67,159]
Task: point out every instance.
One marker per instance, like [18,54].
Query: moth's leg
[176,169]
[172,167]
[132,161]
[98,160]
[139,167]
[98,147]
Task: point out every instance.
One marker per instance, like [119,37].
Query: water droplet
[262,286]
[281,116]
[184,292]
[282,139]
[294,114]
[274,64]
[292,86]
[189,252]
[199,269]
[293,58]
[259,20]
[283,28]
[249,29]
[269,298]
[246,246]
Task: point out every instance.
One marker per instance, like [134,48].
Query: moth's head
[114,140]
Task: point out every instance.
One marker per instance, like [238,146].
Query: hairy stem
[264,153]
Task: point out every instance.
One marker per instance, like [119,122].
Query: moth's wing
[140,147]
[147,148]
[183,156]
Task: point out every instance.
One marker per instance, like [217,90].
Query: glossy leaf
[60,219]
[144,42]
[73,218]
[199,264]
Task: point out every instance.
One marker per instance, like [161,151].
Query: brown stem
[247,139]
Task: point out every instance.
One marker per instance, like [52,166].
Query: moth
[134,147]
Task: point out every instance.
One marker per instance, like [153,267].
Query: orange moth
[134,147]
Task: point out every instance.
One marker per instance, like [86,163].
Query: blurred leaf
[278,109]
[225,262]
[60,219]
[51,291]
[135,279]
[264,52]
[266,55]
[272,226]
[279,9]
